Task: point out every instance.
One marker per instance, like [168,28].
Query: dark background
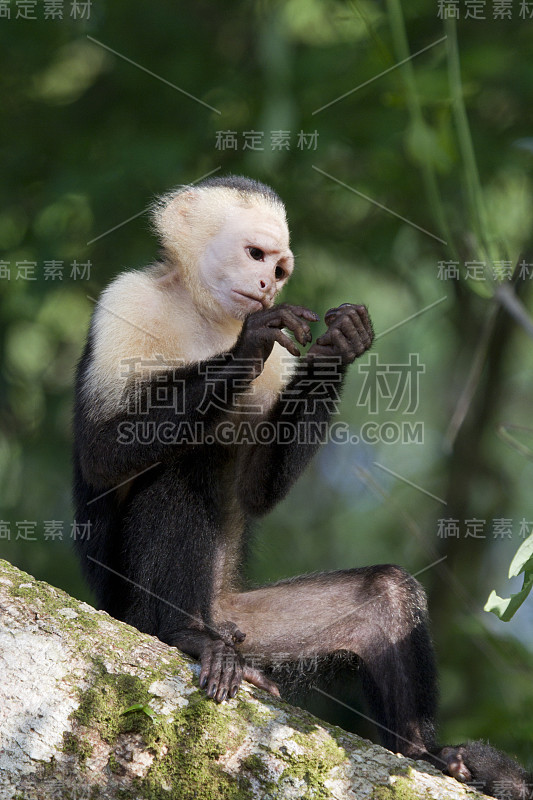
[89,139]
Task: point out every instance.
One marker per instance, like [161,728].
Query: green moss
[47,768]
[401,789]
[383,793]
[342,737]
[103,705]
[27,592]
[404,789]
[84,625]
[185,749]
[255,765]
[75,746]
[304,723]
[257,716]
[186,753]
[114,765]
[321,755]
[14,573]
[326,747]
[51,601]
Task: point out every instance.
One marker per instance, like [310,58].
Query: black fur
[488,769]
[164,533]
[244,186]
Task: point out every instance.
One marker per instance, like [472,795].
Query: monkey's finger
[362,330]
[364,316]
[361,320]
[345,339]
[286,342]
[230,634]
[236,679]
[347,311]
[344,345]
[325,339]
[347,326]
[300,328]
[206,661]
[331,313]
[302,311]
[354,332]
[215,672]
[288,319]
[238,636]
[228,663]
[338,345]
[256,677]
[348,308]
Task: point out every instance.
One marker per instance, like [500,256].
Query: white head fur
[227,245]
[192,304]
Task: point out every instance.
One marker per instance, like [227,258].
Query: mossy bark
[91,708]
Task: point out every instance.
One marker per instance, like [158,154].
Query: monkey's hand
[349,334]
[262,328]
[223,667]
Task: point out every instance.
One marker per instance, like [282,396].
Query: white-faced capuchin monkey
[186,373]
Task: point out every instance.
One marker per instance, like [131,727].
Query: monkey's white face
[248,261]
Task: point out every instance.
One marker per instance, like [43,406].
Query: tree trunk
[70,673]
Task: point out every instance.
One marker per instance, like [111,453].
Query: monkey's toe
[257,678]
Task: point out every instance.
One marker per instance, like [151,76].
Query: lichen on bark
[91,709]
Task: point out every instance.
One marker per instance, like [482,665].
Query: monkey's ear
[172,214]
[185,201]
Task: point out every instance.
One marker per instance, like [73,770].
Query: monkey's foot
[452,762]
[257,678]
[223,667]
[490,770]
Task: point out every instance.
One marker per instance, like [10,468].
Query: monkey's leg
[377,613]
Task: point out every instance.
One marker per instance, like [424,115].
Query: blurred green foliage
[89,138]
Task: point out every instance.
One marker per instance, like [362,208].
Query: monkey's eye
[256,253]
[280,273]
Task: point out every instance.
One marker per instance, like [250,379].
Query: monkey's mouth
[260,303]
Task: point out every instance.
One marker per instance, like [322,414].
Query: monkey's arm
[146,431]
[268,471]
[113,449]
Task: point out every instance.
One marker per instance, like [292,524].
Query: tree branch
[91,708]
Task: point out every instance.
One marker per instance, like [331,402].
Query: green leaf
[505,607]
[523,560]
[145,709]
